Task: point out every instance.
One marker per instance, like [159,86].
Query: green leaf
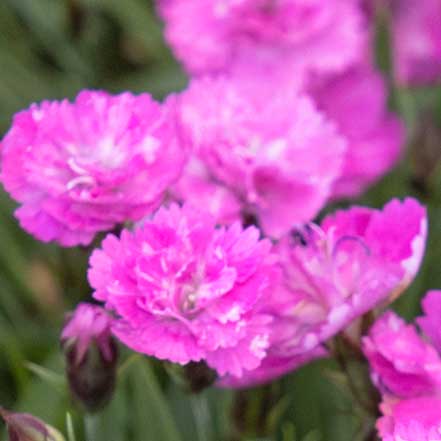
[152,419]
[70,428]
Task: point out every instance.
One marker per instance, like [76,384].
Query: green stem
[128,362]
[91,426]
[201,415]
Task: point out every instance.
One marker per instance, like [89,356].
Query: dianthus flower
[407,370]
[402,362]
[416,419]
[198,188]
[217,35]
[84,167]
[356,260]
[374,138]
[333,274]
[274,365]
[186,291]
[416,40]
[269,146]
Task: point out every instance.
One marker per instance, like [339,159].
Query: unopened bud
[91,356]
[194,377]
[25,427]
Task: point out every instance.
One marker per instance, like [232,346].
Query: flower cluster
[211,197]
[407,370]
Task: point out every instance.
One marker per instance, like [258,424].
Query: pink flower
[186,291]
[270,147]
[402,363]
[430,322]
[218,35]
[407,370]
[199,189]
[273,366]
[357,260]
[416,419]
[374,138]
[84,167]
[416,40]
[87,325]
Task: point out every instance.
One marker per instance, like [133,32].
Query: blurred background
[50,49]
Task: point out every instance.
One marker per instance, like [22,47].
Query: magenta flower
[198,188]
[406,367]
[374,138]
[416,40]
[357,260]
[186,291]
[84,167]
[271,148]
[217,35]
[430,322]
[273,366]
[402,363]
[416,419]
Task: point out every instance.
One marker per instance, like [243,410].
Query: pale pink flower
[374,137]
[270,147]
[218,35]
[186,291]
[415,419]
[358,259]
[84,167]
[416,40]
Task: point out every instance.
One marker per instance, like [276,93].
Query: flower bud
[194,377]
[91,356]
[25,427]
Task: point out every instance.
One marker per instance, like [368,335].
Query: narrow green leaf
[152,418]
[70,428]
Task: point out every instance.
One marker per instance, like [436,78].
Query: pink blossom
[218,35]
[374,138]
[430,322]
[416,40]
[416,419]
[407,369]
[273,366]
[267,145]
[198,188]
[84,167]
[402,363]
[358,259]
[186,291]
[87,325]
